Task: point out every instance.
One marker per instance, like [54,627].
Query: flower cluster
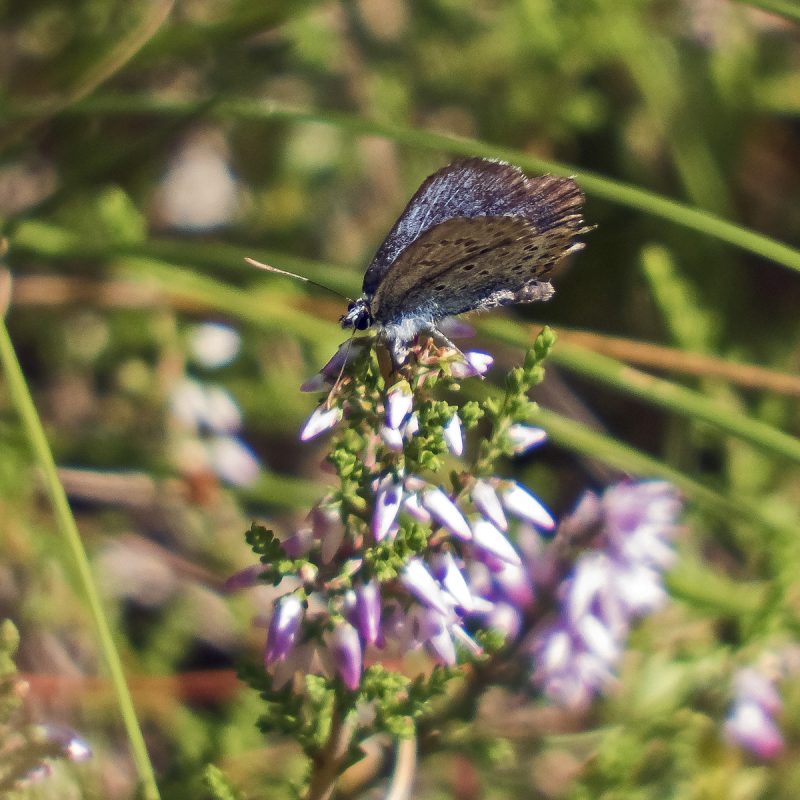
[421,548]
[208,417]
[630,528]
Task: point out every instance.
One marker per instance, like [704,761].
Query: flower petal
[446,513]
[321,420]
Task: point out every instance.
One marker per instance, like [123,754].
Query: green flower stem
[582,440]
[606,188]
[657,391]
[18,390]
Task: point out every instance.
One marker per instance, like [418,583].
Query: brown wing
[463,264]
[469,188]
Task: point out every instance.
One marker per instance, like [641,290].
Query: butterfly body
[477,234]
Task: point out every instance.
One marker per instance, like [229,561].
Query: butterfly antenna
[269,268]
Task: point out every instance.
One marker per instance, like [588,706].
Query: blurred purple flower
[750,722]
[454,436]
[398,404]
[525,437]
[321,420]
[446,513]
[368,611]
[283,628]
[392,438]
[452,579]
[416,578]
[487,538]
[576,654]
[388,499]
[346,650]
[474,363]
[521,503]
[487,502]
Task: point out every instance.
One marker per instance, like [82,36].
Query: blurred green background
[147,148]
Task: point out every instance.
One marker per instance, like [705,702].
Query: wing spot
[468,267]
[484,272]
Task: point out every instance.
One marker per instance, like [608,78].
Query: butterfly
[477,234]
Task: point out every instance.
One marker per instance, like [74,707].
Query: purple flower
[525,437]
[446,513]
[71,745]
[575,655]
[474,363]
[523,504]
[388,499]
[392,438]
[487,538]
[750,721]
[245,578]
[283,628]
[487,502]
[413,508]
[321,420]
[346,650]
[416,578]
[750,726]
[368,611]
[399,402]
[452,579]
[453,436]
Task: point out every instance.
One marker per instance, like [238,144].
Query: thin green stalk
[607,188]
[18,390]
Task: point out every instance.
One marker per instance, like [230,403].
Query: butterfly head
[358,315]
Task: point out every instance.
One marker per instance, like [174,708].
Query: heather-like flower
[392,438]
[321,420]
[525,506]
[453,581]
[416,578]
[283,628]
[750,722]
[487,502]
[399,402]
[487,538]
[413,507]
[474,363]
[368,611]
[446,513]
[454,436]
[575,655]
[388,499]
[750,726]
[346,650]
[525,437]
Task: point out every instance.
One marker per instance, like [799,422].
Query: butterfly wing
[469,188]
[479,262]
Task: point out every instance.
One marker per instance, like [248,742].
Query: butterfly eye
[363,322]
